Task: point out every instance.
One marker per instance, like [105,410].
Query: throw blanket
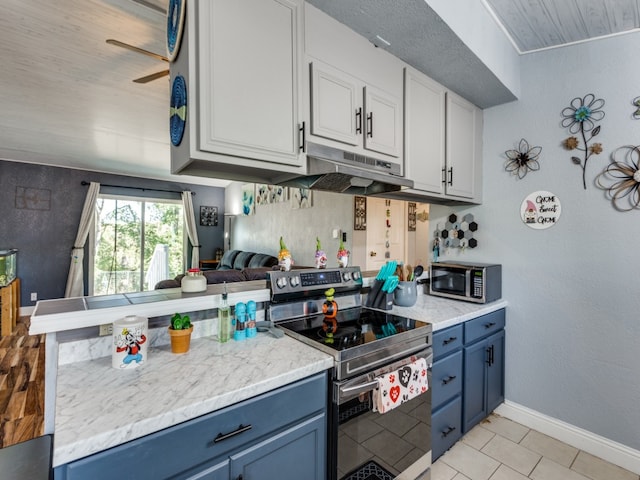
[400,386]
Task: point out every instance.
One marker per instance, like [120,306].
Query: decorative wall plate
[540,210]
[175,25]
[178,109]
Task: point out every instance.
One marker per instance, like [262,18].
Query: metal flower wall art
[523,160]
[580,117]
[621,178]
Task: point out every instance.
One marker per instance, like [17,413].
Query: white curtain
[192,231]
[75,280]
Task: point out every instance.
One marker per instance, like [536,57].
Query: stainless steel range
[365,344]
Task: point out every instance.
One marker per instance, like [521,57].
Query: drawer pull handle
[447,431]
[449,340]
[237,431]
[449,379]
[489,325]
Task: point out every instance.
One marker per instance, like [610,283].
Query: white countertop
[98,407]
[443,312]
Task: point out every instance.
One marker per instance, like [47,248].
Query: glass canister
[130,341]
[193,281]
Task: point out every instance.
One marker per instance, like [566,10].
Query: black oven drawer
[446,379]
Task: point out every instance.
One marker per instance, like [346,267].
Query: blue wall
[44,231]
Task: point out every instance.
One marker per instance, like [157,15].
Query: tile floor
[500,449]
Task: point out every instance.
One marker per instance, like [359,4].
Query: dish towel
[400,386]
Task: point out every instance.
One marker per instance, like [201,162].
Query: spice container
[193,281]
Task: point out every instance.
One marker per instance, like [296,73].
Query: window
[136,243]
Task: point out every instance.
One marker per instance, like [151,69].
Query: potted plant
[180,333]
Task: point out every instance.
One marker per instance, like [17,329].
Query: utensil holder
[406,294]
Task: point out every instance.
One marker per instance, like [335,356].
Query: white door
[383,127]
[336,107]
[424,130]
[386,227]
[462,125]
[250,78]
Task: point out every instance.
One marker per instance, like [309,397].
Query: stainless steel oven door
[398,441]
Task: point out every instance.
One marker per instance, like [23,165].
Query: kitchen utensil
[409,276]
[399,272]
[419,270]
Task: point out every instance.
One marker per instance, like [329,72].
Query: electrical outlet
[106,329]
[34,297]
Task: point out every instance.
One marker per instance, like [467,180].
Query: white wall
[573,326]
[298,227]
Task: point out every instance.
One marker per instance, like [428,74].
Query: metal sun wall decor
[580,117]
[621,178]
[522,160]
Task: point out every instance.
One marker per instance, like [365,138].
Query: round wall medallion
[178,109]
[175,25]
[540,210]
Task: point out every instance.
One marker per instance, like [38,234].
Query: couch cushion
[219,276]
[257,273]
[242,260]
[226,262]
[262,260]
[171,283]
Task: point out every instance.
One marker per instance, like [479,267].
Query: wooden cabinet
[443,142]
[258,435]
[242,61]
[9,307]
[483,367]
[467,377]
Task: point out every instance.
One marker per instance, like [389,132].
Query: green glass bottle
[224,318]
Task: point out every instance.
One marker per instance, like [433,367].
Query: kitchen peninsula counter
[99,407]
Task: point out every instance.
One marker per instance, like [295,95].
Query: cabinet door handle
[448,379]
[489,325]
[237,431]
[359,120]
[450,176]
[370,125]
[447,431]
[449,340]
[444,175]
[492,358]
[488,360]
[302,144]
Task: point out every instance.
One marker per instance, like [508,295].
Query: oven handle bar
[345,392]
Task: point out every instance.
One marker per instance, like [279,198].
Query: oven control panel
[314,281]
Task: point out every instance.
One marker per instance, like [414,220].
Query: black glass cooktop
[353,327]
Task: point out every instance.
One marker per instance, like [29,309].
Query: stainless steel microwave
[472,282]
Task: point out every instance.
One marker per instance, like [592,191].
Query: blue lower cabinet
[253,435]
[446,423]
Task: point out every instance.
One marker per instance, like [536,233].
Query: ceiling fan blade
[118,43]
[152,77]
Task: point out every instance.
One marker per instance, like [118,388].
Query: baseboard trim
[26,311]
[602,447]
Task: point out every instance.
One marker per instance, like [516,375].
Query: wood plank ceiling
[539,24]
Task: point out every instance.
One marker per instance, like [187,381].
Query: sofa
[235,266]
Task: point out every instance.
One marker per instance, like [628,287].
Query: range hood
[334,170]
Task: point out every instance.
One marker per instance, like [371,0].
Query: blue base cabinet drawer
[209,441]
[446,379]
[483,326]
[447,341]
[446,428]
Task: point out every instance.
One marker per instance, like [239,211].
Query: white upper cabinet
[354,90]
[243,63]
[443,142]
[346,110]
[463,149]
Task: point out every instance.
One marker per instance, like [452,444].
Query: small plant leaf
[595,131]
[575,160]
